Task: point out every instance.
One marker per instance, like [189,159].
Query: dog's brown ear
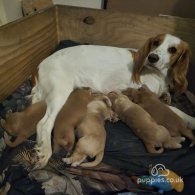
[179,70]
[139,60]
[107,101]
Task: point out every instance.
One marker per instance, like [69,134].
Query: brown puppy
[69,117]
[23,124]
[91,133]
[143,125]
[161,113]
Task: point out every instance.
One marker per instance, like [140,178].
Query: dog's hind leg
[189,121]
[44,128]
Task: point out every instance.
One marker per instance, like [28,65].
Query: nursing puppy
[153,135]
[23,124]
[69,117]
[161,113]
[91,133]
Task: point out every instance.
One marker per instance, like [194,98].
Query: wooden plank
[23,45]
[122,29]
[180,8]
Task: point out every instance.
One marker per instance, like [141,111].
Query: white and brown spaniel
[162,62]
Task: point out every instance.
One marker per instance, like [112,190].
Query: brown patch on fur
[179,68]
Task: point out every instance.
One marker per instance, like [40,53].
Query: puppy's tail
[97,160]
[151,148]
[190,121]
[15,143]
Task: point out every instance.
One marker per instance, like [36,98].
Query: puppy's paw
[115,117]
[75,164]
[68,161]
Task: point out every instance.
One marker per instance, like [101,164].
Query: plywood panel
[119,29]
[23,45]
[182,8]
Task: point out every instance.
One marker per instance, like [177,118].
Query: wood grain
[120,29]
[23,45]
[179,8]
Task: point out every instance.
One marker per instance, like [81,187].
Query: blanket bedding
[125,156]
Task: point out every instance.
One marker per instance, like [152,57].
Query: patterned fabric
[56,177]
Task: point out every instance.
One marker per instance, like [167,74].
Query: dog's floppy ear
[179,70]
[107,101]
[139,60]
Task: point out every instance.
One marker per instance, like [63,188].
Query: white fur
[102,68]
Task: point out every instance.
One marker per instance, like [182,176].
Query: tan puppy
[91,133]
[69,117]
[161,113]
[143,125]
[23,124]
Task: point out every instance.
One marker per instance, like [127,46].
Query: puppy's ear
[139,60]
[107,101]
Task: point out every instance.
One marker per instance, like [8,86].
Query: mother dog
[160,63]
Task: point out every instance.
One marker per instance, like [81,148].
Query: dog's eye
[172,50]
[156,43]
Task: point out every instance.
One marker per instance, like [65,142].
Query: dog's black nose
[152,58]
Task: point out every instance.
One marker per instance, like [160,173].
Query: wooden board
[181,8]
[123,29]
[120,29]
[23,45]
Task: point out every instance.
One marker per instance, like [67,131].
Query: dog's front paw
[43,153]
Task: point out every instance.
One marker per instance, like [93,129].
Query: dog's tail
[97,160]
[15,143]
[190,121]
